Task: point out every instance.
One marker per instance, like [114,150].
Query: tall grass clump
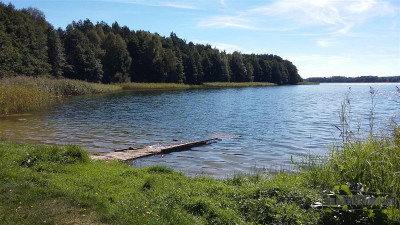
[59,87]
[366,165]
[15,98]
[22,94]
[372,164]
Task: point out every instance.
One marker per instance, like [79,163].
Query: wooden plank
[138,152]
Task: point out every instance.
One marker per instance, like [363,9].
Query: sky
[321,37]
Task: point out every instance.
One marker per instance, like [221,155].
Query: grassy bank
[24,94]
[60,185]
[242,84]
[37,180]
[308,83]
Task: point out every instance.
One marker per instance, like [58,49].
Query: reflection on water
[260,127]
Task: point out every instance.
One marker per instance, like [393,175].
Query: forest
[100,53]
[362,79]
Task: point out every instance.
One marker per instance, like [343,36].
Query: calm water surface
[260,127]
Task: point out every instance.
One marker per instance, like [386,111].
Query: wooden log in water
[127,149]
[134,153]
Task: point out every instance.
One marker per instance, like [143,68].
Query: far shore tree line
[31,46]
[361,79]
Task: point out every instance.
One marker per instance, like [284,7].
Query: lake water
[260,127]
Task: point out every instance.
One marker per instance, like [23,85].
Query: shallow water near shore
[260,127]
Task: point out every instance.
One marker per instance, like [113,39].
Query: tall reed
[153,86]
[363,164]
[22,94]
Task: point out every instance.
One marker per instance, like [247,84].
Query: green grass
[61,185]
[49,185]
[373,163]
[23,94]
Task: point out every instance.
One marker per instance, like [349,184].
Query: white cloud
[156,3]
[345,28]
[326,43]
[222,2]
[227,21]
[229,48]
[361,6]
[338,15]
[177,5]
[304,12]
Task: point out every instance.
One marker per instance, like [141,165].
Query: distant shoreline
[361,79]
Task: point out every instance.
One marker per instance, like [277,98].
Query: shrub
[160,169]
[48,158]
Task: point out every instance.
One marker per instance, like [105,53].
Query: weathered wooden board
[134,153]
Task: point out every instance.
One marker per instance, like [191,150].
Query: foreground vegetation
[37,180]
[61,185]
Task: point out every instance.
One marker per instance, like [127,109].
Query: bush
[160,169]
[49,158]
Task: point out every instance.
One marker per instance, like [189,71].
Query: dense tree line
[362,79]
[31,46]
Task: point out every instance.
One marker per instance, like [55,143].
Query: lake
[260,127]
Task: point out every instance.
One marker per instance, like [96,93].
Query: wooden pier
[134,153]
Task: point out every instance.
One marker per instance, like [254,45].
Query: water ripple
[259,127]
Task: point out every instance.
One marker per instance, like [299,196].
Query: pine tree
[55,53]
[116,61]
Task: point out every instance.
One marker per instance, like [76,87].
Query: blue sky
[321,37]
